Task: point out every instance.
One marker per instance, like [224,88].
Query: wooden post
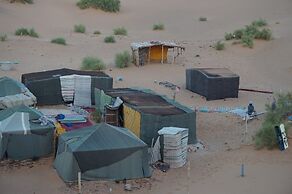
[162,54]
[138,57]
[149,52]
[173,55]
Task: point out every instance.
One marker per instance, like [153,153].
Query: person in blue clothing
[250,109]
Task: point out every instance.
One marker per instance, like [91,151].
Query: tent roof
[58,73]
[33,113]
[101,137]
[10,87]
[145,102]
[217,72]
[137,45]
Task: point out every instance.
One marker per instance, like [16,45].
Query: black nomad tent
[101,152]
[212,83]
[61,85]
[22,135]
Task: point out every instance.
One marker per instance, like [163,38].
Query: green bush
[3,37]
[228,36]
[202,19]
[79,28]
[59,41]
[96,32]
[219,46]
[251,30]
[33,33]
[120,31]
[247,40]
[109,39]
[238,34]
[264,34]
[159,26]
[92,63]
[266,136]
[22,32]
[259,23]
[123,59]
[105,5]
[22,1]
[26,32]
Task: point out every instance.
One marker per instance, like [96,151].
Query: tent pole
[162,54]
[79,182]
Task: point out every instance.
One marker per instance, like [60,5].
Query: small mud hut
[155,52]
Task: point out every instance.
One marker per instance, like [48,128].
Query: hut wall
[151,124]
[48,91]
[212,88]
[143,56]
[156,53]
[132,120]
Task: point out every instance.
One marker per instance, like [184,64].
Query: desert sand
[217,168]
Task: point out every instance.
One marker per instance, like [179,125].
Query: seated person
[250,109]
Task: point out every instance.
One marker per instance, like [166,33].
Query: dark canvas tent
[21,137]
[101,152]
[14,93]
[212,83]
[46,85]
[145,113]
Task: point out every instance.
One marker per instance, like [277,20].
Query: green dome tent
[101,152]
[22,135]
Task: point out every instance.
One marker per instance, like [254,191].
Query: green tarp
[18,145]
[101,99]
[101,152]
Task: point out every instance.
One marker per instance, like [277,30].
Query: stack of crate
[175,141]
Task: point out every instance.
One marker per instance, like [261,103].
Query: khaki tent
[144,112]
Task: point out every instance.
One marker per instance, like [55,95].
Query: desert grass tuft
[96,32]
[202,19]
[109,39]
[105,5]
[26,32]
[123,59]
[79,28]
[59,40]
[3,37]
[92,63]
[219,46]
[159,26]
[120,31]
